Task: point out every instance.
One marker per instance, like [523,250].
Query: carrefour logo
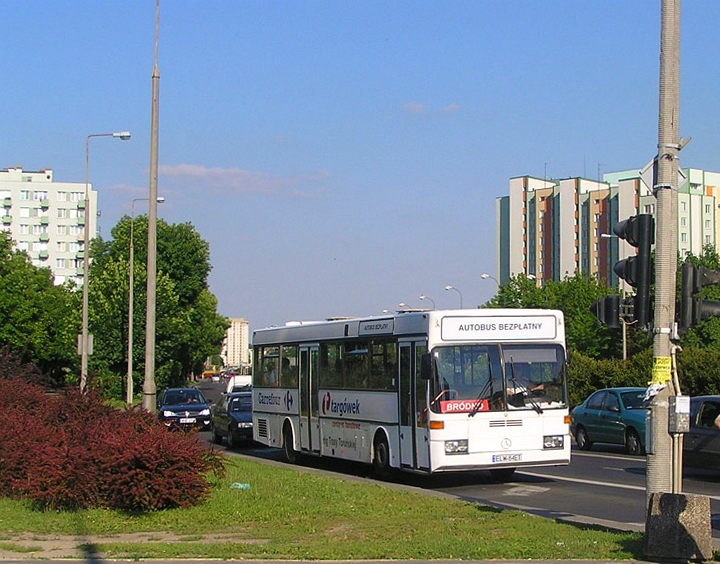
[288,401]
[329,405]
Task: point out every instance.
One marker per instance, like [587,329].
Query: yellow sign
[662,369]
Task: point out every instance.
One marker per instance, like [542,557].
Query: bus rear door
[309,421]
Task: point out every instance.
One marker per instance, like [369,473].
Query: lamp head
[485,276]
[448,287]
[161,199]
[123,135]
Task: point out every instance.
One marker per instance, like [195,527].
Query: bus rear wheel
[289,445]
[381,457]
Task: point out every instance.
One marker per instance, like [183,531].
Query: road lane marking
[603,484]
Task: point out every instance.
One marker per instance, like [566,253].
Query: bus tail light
[566,420]
[437,424]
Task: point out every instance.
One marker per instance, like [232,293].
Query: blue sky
[343,157]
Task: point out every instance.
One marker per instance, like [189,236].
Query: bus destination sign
[377,327]
[508,328]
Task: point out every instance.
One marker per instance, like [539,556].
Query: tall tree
[188,327]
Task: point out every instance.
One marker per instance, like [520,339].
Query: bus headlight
[456,447]
[553,442]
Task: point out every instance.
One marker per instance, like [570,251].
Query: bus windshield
[476,378]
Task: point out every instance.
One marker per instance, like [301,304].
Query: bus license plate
[507,457]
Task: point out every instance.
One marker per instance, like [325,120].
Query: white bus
[424,391]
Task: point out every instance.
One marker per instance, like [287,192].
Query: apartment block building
[47,220]
[236,346]
[549,229]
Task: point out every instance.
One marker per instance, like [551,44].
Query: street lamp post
[85,344]
[129,388]
[485,276]
[448,288]
[424,297]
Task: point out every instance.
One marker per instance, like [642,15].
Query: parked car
[184,408]
[231,418]
[613,416]
[701,445]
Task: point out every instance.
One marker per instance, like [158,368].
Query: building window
[24,212]
[39,195]
[24,229]
[62,229]
[683,206]
[683,237]
[649,208]
[77,196]
[707,224]
[597,218]
[62,246]
[707,239]
[24,194]
[39,229]
[62,213]
[60,263]
[61,196]
[707,208]
[683,221]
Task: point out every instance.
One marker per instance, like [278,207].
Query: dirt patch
[33,546]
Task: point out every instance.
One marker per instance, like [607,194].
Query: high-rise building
[549,229]
[236,347]
[47,220]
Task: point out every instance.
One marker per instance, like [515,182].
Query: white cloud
[451,108]
[414,108]
[239,181]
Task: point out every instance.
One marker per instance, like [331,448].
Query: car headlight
[167,413]
[456,447]
[205,411]
[553,441]
[244,424]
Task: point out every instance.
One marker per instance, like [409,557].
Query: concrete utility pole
[149,388]
[659,476]
[677,526]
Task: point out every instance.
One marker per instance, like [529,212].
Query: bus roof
[402,323]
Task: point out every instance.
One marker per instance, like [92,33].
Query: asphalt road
[604,486]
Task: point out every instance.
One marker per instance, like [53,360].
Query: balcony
[44,220]
[7,220]
[79,271]
[80,254]
[7,202]
[44,237]
[43,255]
[81,205]
[45,204]
[81,221]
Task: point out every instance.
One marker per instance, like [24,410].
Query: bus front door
[309,422]
[414,448]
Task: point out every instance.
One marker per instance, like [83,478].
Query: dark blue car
[231,418]
[612,416]
[184,408]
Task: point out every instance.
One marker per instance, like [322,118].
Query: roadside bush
[71,451]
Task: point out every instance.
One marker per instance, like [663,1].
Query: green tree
[188,327]
[38,321]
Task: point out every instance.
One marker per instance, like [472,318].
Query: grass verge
[287,514]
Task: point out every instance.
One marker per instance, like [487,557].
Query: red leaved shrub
[70,451]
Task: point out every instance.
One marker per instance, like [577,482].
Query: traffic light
[639,231]
[607,310]
[692,309]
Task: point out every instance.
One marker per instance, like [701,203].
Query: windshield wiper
[481,395]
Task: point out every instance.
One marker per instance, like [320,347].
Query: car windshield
[634,399]
[241,404]
[184,397]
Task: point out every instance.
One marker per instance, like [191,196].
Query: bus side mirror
[425,366]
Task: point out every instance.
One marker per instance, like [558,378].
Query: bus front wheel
[288,444]
[381,457]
